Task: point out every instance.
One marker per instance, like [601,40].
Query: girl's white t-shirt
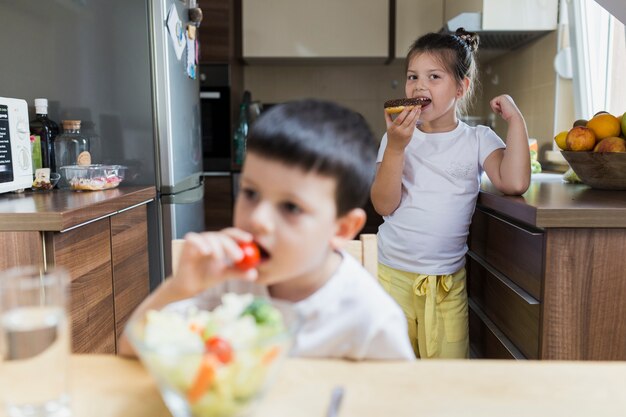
[427,233]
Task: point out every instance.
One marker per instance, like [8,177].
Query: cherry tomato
[220,348]
[251,256]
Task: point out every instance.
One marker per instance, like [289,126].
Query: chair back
[364,250]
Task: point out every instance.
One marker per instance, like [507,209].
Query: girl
[426,186]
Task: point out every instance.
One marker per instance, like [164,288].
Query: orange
[604,125]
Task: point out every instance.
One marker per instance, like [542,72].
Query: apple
[580,138]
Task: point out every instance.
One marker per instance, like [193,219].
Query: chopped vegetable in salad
[217,359]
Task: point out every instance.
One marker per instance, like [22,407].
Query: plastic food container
[91,177]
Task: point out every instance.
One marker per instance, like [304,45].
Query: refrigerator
[117,65]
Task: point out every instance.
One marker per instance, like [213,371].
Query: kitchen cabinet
[546,273]
[414,19]
[315,29]
[216,33]
[100,238]
[218,201]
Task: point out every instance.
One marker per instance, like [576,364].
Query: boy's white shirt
[350,317]
[427,233]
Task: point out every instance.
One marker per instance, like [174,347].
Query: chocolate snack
[397,105]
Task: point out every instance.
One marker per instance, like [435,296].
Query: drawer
[486,341]
[515,312]
[513,250]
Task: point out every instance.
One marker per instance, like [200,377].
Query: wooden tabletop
[551,202]
[109,386]
[61,209]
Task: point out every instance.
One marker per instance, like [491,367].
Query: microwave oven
[16,169]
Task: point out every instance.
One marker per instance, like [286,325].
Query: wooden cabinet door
[315,29]
[218,202]
[86,253]
[20,249]
[215,31]
[129,255]
[415,18]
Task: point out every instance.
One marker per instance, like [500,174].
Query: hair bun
[470,39]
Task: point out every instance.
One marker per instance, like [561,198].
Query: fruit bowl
[91,177]
[602,170]
[212,355]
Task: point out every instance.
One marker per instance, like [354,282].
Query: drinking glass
[34,342]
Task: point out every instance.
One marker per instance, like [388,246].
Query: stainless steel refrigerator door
[180,213]
[176,101]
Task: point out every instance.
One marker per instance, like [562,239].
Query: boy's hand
[505,107]
[400,130]
[210,258]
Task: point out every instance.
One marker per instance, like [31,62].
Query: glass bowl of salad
[214,355]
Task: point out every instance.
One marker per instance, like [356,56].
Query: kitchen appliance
[502,24]
[16,169]
[215,116]
[123,66]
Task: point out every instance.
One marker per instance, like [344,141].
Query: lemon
[560,140]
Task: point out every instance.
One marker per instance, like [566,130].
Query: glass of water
[34,342]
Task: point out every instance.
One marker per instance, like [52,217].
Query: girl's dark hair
[322,137]
[456,52]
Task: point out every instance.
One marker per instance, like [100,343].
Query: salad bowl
[214,355]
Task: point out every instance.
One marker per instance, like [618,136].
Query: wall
[363,88]
[528,76]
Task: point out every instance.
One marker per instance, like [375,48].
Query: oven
[215,118]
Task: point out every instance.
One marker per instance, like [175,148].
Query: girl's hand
[400,130]
[209,258]
[505,107]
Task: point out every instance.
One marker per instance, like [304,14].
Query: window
[599,55]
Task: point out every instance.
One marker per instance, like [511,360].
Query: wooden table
[108,386]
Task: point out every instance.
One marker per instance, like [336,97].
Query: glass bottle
[71,147]
[241,133]
[46,130]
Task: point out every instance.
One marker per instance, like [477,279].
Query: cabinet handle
[508,345]
[513,225]
[504,280]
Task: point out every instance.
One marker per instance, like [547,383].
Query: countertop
[59,210]
[109,386]
[551,202]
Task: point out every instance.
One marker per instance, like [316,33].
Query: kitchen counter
[109,386]
[59,210]
[100,238]
[546,272]
[551,202]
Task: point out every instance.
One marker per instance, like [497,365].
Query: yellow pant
[435,307]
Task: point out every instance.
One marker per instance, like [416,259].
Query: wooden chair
[364,250]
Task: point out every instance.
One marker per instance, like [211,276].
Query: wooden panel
[584,294]
[515,252]
[486,342]
[86,253]
[218,202]
[215,31]
[61,209]
[515,312]
[20,249]
[129,254]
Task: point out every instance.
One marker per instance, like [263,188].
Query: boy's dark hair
[321,137]
[456,52]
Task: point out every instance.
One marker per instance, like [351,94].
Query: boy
[308,169]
